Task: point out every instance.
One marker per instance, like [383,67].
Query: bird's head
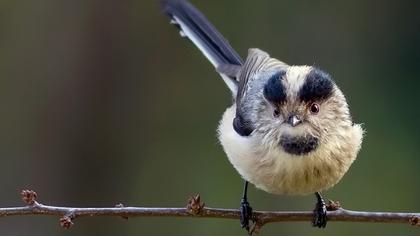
[299,109]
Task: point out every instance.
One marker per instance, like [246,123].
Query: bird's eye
[314,108]
[276,112]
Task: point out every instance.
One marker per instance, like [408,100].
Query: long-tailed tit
[289,130]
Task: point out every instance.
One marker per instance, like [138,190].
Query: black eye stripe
[317,86]
[274,90]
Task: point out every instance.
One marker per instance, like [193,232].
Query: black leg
[320,212]
[246,210]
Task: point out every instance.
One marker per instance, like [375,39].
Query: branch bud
[28,196]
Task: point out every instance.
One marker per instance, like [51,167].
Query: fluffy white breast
[271,169]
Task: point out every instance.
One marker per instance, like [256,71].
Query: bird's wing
[256,61]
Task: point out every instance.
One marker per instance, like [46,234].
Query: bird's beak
[294,120]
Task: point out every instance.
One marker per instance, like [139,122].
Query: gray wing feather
[257,61]
[258,67]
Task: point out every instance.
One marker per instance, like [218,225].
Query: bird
[288,131]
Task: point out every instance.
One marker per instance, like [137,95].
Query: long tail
[194,25]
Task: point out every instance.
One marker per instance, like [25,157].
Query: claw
[320,213]
[246,214]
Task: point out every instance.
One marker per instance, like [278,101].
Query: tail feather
[194,25]
[198,29]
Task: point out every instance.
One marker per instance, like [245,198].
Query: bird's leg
[246,210]
[320,212]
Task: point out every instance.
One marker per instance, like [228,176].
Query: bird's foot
[246,214]
[320,213]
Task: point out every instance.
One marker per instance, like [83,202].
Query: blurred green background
[102,102]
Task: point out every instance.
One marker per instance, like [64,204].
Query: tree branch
[195,208]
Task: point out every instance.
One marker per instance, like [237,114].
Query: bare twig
[195,208]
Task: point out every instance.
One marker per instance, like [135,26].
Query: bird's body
[259,157]
[289,130]
[275,171]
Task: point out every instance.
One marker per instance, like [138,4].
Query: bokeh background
[102,103]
